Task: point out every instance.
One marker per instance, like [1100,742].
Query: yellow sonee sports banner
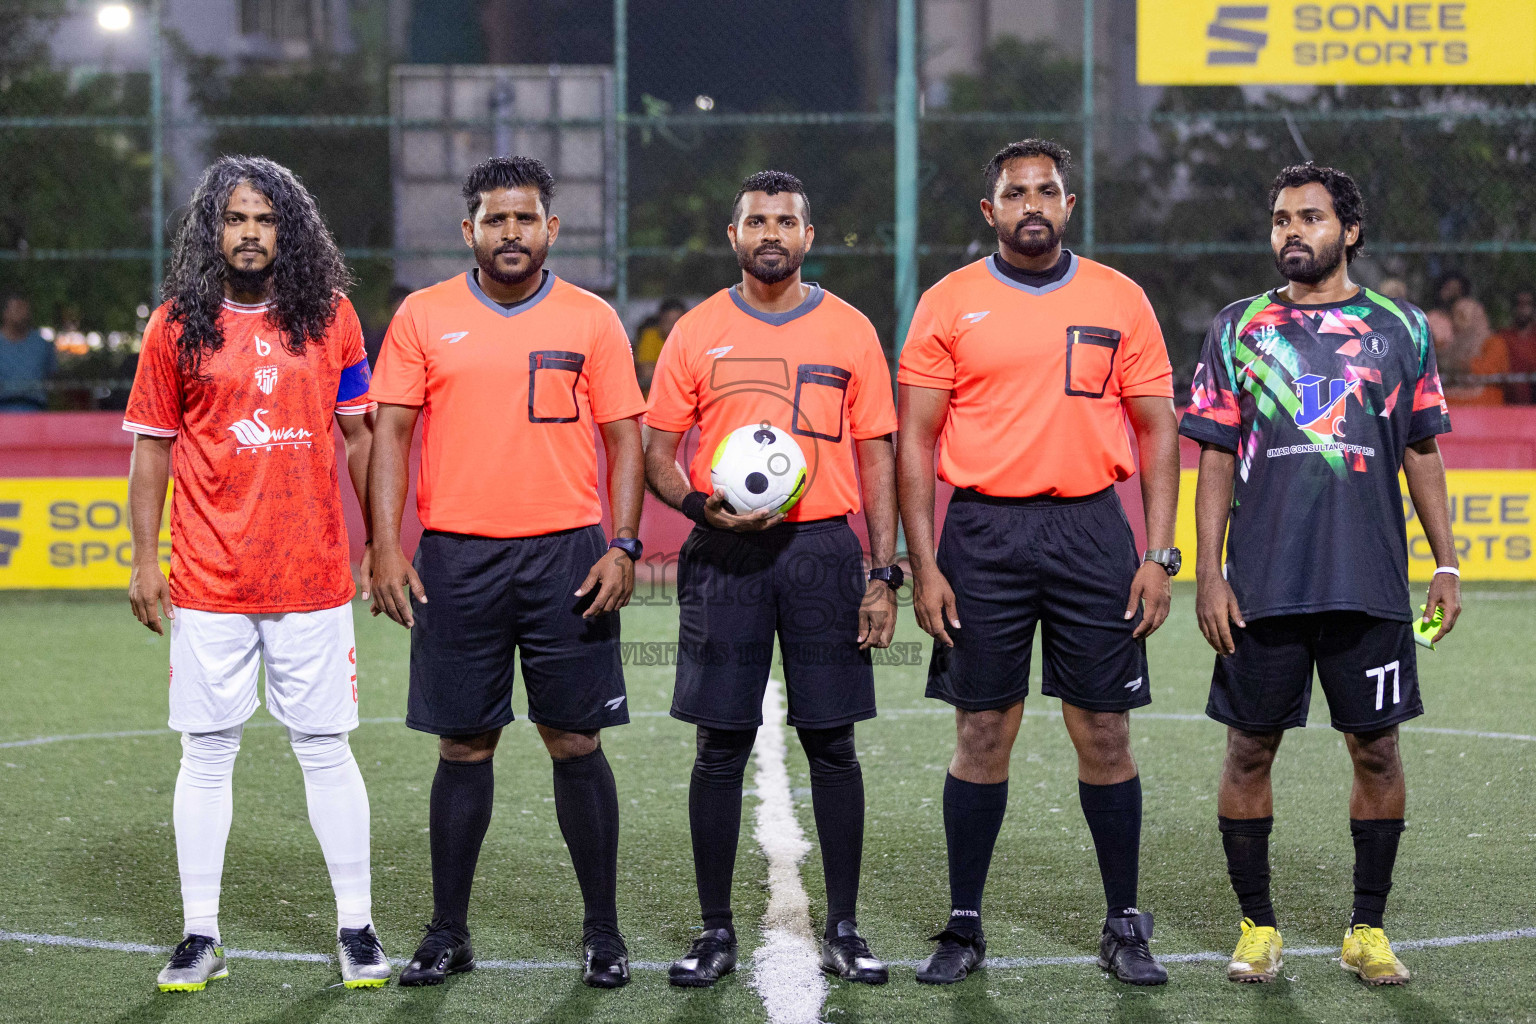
[73,532]
[1207,42]
[1493,520]
[68,533]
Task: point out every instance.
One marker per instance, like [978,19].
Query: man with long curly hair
[253,351]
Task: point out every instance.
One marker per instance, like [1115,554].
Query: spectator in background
[652,335]
[1393,288]
[26,359]
[1465,346]
[373,335]
[1519,341]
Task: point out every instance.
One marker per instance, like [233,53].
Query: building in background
[486,110]
[957,33]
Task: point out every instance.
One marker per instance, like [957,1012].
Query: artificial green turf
[85,837]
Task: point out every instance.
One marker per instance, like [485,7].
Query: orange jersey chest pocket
[1090,360]
[554,377]
[821,401]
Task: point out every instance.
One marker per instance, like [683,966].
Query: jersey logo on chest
[1322,412]
[255,434]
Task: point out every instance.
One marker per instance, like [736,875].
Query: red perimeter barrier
[94,444]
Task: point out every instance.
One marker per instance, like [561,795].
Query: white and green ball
[759,466]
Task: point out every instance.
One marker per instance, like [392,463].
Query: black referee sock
[587,807]
[973,816]
[1114,818]
[714,817]
[1246,843]
[459,813]
[1375,854]
[837,799]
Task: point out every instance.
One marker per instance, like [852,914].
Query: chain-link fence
[652,146]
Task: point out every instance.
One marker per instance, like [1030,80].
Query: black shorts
[1367,665]
[735,591]
[489,597]
[1066,563]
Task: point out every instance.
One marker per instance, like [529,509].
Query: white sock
[202,810]
[338,812]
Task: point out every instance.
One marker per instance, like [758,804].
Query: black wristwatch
[631,546]
[1171,559]
[890,575]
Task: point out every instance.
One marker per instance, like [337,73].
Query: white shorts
[311,662]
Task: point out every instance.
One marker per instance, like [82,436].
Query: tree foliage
[70,188]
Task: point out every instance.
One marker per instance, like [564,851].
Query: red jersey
[817,371]
[256,518]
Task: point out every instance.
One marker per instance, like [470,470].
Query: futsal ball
[758,466]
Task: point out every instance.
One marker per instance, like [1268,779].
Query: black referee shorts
[1066,563]
[489,598]
[735,591]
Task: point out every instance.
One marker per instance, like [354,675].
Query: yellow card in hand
[1423,631]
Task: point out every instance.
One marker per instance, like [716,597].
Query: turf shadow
[1271,1003]
[151,1011]
[855,1003]
[418,1005]
[308,1009]
[1140,1005]
[1408,1005]
[703,1005]
[579,1003]
[971,1003]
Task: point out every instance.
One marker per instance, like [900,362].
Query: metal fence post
[906,167]
[157,158]
[1088,112]
[621,155]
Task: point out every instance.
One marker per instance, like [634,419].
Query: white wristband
[1448,568]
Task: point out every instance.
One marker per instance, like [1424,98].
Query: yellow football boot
[1257,956]
[1368,955]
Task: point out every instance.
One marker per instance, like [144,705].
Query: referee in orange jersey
[786,354]
[1022,367]
[509,368]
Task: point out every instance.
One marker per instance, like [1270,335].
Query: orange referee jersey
[817,371]
[1036,376]
[508,400]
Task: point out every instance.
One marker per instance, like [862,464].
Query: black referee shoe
[1123,950]
[957,956]
[847,955]
[444,951]
[605,962]
[710,958]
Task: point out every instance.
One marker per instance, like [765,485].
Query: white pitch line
[785,968]
[1155,716]
[1015,962]
[70,941]
[996,963]
[1170,716]
[132,733]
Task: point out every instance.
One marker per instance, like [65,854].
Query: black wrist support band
[693,506]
